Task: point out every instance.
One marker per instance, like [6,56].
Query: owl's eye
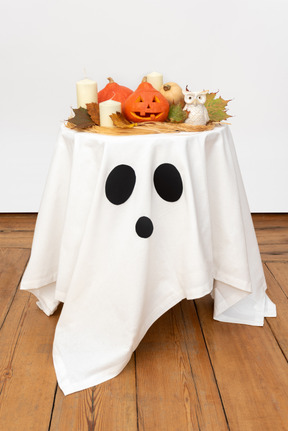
[190,97]
[199,97]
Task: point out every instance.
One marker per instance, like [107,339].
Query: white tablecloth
[117,272]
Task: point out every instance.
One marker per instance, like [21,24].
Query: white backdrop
[238,47]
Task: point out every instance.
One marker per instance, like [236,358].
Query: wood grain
[279,270]
[12,222]
[272,236]
[175,384]
[250,370]
[19,239]
[27,375]
[276,275]
[12,264]
[188,373]
[16,230]
[108,406]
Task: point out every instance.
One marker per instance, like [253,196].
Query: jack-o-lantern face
[146,104]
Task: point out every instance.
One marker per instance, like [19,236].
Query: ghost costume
[128,227]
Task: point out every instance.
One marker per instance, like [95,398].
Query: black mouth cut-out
[144,227]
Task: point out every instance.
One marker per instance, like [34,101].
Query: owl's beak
[194,102]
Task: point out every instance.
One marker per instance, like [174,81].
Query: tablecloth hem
[38,283]
[242,285]
[45,295]
[69,388]
[223,303]
[199,292]
[156,314]
[61,296]
[60,368]
[47,309]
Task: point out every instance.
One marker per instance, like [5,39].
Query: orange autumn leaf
[120,121]
[93,111]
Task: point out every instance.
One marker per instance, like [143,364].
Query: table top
[128,227]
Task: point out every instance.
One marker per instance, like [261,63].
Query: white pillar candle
[86,92]
[155,79]
[106,109]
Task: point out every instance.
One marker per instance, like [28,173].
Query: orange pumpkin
[114,91]
[146,104]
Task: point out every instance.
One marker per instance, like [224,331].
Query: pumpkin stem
[166,87]
[144,79]
[111,80]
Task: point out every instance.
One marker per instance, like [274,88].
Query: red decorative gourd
[146,104]
[114,91]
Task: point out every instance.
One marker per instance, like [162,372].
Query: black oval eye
[120,184]
[168,182]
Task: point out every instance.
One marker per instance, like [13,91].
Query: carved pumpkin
[146,104]
[115,92]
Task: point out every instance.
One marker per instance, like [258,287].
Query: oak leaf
[216,107]
[93,111]
[82,119]
[176,114]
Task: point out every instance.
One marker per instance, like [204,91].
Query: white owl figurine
[195,100]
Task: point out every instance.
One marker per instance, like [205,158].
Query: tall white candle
[155,79]
[86,92]
[106,109]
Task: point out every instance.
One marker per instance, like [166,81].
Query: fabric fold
[128,227]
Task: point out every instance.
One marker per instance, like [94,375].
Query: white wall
[239,47]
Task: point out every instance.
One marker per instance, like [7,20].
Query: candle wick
[85,73]
[114,94]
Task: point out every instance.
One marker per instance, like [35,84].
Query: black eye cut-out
[168,182]
[120,184]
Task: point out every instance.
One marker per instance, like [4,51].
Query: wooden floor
[189,373]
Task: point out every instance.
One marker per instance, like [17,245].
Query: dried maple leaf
[176,114]
[82,119]
[216,107]
[120,121]
[93,111]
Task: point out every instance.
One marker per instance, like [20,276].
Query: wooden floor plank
[235,374]
[212,413]
[276,235]
[27,374]
[272,236]
[269,220]
[274,252]
[279,270]
[12,264]
[110,406]
[276,275]
[15,221]
[19,239]
[251,372]
[175,385]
